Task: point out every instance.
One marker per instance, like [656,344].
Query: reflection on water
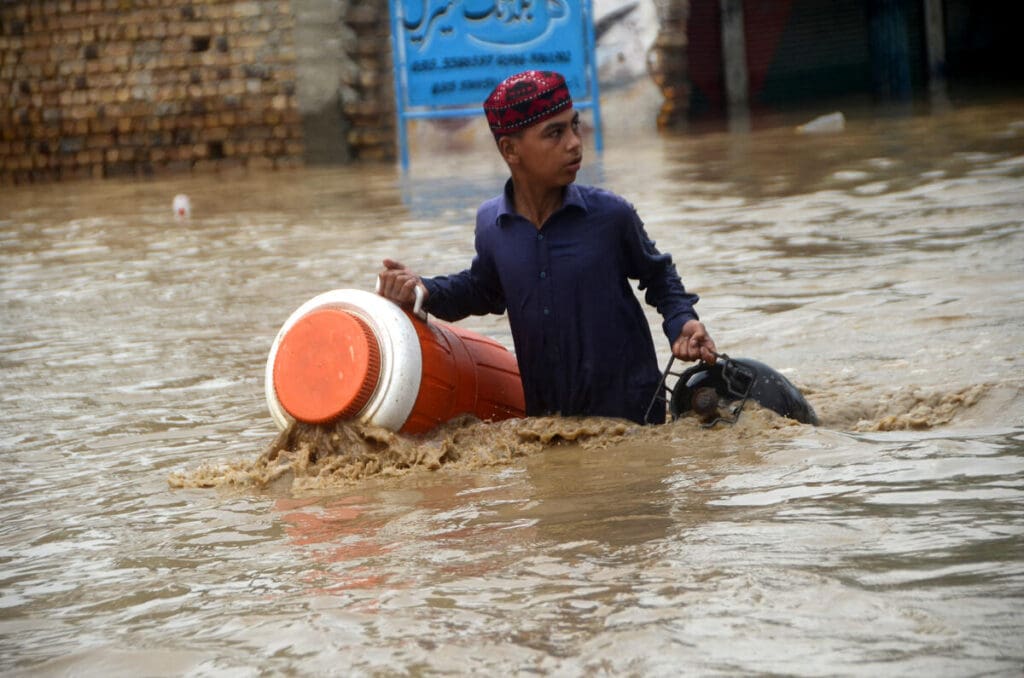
[879,270]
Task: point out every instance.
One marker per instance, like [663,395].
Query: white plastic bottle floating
[182,207]
[824,124]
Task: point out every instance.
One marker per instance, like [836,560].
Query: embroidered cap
[525,99]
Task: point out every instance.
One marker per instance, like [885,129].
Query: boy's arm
[474,291]
[453,297]
[658,278]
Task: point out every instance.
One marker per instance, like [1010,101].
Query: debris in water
[182,207]
[824,124]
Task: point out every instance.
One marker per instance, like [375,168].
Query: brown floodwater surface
[154,521]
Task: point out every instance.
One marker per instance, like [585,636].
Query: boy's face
[549,152]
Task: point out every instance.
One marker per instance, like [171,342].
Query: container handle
[417,305]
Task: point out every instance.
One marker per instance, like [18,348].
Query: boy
[559,258]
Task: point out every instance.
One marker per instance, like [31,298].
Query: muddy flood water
[145,529]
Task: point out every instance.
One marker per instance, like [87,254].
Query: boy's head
[536,128]
[524,99]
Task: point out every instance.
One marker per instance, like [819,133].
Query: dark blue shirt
[581,338]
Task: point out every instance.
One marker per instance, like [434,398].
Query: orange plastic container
[349,354]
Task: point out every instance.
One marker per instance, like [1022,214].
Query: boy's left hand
[694,343]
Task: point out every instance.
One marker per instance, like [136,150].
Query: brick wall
[96,88]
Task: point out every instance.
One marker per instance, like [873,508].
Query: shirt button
[546,311]
[543,274]
[540,236]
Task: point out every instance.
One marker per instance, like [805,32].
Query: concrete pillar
[667,63]
[734,60]
[321,59]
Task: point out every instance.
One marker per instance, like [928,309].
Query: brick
[215,79]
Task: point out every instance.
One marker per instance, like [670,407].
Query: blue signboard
[450,54]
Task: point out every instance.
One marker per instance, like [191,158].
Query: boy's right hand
[398,283]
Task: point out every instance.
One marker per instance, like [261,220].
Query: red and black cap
[524,99]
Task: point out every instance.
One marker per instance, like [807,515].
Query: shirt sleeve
[663,289]
[474,291]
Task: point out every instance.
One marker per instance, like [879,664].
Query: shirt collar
[573,197]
